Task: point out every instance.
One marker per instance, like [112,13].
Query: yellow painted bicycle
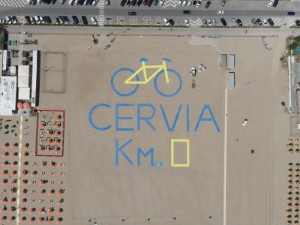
[140,76]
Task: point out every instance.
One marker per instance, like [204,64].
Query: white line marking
[19,171]
[225,162]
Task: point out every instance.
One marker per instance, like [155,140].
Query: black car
[84,20]
[270,21]
[194,2]
[275,3]
[139,2]
[207,4]
[149,3]
[80,2]
[123,2]
[297,23]
[66,19]
[223,21]
[259,22]
[131,13]
[133,2]
[291,13]
[239,22]
[186,12]
[75,20]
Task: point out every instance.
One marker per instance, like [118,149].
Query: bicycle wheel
[172,88]
[118,79]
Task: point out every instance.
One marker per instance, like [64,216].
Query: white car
[199,3]
[209,22]
[94,20]
[270,3]
[161,2]
[166,21]
[184,3]
[190,2]
[180,2]
[187,22]
[265,23]
[233,20]
[213,21]
[193,71]
[220,12]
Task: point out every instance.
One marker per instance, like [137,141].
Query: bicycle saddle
[166,59]
[143,60]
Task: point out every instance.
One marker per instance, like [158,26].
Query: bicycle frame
[147,79]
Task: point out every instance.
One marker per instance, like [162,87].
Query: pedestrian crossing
[101,18]
[170,4]
[13,3]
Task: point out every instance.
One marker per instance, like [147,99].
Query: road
[156,31]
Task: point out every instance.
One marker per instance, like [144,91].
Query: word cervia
[144,116]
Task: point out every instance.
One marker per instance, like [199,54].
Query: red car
[145,2]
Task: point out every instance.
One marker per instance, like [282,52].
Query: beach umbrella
[19,105]
[42,192]
[32,210]
[5,154]
[5,145]
[59,211]
[26,105]
[51,192]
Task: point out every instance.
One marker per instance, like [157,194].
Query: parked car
[194,3]
[233,20]
[199,2]
[149,3]
[161,2]
[259,22]
[155,2]
[139,2]
[166,21]
[222,3]
[94,20]
[123,2]
[27,20]
[84,20]
[297,22]
[275,3]
[271,22]
[239,22]
[270,3]
[187,22]
[265,23]
[14,19]
[204,22]
[133,2]
[75,20]
[223,21]
[207,4]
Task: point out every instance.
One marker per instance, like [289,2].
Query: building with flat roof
[8,94]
